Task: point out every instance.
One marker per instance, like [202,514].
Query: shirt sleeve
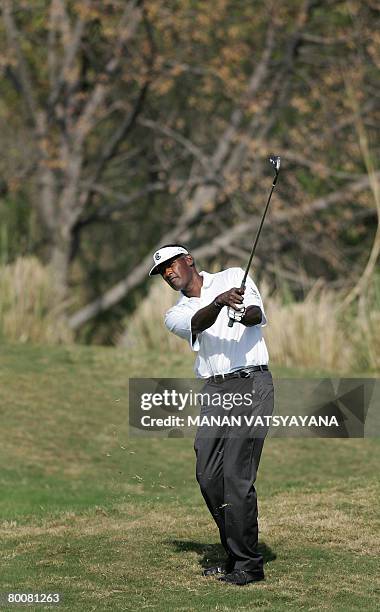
[252,297]
[178,321]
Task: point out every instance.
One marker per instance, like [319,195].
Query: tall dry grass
[315,333]
[145,329]
[28,308]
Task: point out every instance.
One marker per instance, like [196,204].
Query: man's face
[177,272]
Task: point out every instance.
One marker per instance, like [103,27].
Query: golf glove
[236,315]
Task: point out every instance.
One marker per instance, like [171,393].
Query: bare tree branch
[373,179]
[219,244]
[22,69]
[71,40]
[111,148]
[237,115]
[269,267]
[127,28]
[185,142]
[52,39]
[123,201]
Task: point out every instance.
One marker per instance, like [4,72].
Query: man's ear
[189,259]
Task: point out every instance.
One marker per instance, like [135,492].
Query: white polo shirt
[220,348]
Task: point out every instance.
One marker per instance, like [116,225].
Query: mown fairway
[119,524]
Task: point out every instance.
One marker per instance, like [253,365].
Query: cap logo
[165,254]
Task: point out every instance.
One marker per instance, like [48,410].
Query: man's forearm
[204,318]
[253,316]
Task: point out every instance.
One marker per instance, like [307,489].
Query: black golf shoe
[223,568]
[241,577]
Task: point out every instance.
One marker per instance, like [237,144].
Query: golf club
[275,160]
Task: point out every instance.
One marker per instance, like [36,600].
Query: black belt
[243,373]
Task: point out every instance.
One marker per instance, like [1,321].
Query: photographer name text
[238,421]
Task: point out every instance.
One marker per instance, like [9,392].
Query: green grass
[119,524]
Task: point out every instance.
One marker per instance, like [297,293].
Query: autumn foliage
[126,124]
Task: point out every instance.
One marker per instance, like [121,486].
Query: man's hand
[236,315]
[206,316]
[233,298]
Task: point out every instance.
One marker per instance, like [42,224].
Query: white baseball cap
[164,254]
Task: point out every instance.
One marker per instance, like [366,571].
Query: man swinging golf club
[221,316]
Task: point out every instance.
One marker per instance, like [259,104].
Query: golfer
[234,363]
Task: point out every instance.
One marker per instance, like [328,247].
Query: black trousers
[227,460]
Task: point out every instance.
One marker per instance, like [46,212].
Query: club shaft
[257,239]
[242,286]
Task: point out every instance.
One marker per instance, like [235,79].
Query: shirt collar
[207,282]
[207,279]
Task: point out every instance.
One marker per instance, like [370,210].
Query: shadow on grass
[211,554]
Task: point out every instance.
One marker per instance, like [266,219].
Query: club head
[275,160]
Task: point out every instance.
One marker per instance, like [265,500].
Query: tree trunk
[60,263]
